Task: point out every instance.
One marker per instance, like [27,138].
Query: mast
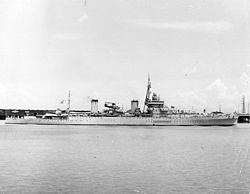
[68,108]
[147,94]
[243,105]
[248,108]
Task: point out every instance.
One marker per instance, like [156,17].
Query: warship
[154,113]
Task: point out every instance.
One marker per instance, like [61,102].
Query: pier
[22,112]
[244,117]
[4,113]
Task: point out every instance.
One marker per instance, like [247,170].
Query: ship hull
[127,121]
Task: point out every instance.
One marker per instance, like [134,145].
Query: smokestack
[134,105]
[94,106]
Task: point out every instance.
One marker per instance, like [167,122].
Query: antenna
[68,109]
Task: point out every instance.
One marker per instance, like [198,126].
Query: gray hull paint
[128,121]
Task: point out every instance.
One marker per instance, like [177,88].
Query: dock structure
[5,113]
[244,117]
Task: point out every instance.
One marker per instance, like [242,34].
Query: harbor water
[95,159]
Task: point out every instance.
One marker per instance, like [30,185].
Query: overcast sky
[196,51]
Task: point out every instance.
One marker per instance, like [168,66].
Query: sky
[196,52]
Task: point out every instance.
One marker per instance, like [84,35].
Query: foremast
[68,108]
[154,104]
[147,98]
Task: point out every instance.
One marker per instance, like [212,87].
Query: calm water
[79,159]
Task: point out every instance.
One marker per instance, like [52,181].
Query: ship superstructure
[154,113]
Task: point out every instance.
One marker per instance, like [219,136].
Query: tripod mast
[147,93]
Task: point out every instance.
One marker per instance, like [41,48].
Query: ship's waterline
[126,121]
